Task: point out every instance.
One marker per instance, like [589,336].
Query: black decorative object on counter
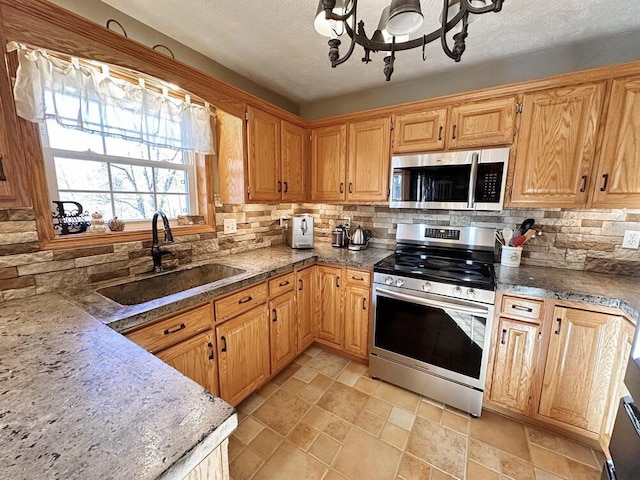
[69,222]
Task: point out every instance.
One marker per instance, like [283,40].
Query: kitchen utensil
[359,239]
[526,225]
[518,241]
[499,237]
[507,235]
[340,237]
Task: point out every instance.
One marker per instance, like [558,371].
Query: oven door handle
[433,303]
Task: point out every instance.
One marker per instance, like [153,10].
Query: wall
[100,12]
[571,58]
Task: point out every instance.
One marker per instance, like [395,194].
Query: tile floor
[323,417]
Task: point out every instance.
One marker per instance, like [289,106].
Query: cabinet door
[243,354]
[368,160]
[305,304]
[330,305]
[617,183]
[578,374]
[328,163]
[482,124]
[195,358]
[419,131]
[556,146]
[295,168]
[515,358]
[356,320]
[263,138]
[282,330]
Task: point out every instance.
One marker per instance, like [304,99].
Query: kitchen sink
[157,286]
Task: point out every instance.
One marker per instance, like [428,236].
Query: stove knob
[388,280]
[426,286]
[399,282]
[471,293]
[457,291]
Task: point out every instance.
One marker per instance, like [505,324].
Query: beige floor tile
[303,435]
[281,412]
[317,417]
[311,394]
[433,402]
[367,385]
[542,438]
[235,447]
[305,374]
[544,475]
[579,471]
[430,412]
[286,373]
[485,454]
[348,378]
[327,363]
[303,359]
[401,418]
[268,389]
[379,407]
[265,443]
[549,461]
[321,381]
[294,385]
[250,403]
[439,446]
[324,448]
[356,367]
[516,468]
[313,351]
[455,422]
[333,475]
[338,429]
[343,401]
[411,468]
[248,430]
[245,465]
[398,396]
[365,457]
[289,463]
[394,435]
[440,475]
[370,422]
[480,472]
[503,433]
[579,452]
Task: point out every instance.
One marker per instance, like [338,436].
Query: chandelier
[397,22]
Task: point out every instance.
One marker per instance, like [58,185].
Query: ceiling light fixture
[398,21]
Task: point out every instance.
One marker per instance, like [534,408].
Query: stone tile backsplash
[574,239]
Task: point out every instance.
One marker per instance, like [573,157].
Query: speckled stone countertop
[78,401]
[258,265]
[578,286]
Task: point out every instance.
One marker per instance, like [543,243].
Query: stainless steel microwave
[469,180]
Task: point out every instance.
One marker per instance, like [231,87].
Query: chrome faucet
[156,251]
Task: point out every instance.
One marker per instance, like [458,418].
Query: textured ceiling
[273,42]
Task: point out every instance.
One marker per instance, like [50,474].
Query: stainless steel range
[433,309]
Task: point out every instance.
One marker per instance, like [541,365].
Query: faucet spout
[156,251]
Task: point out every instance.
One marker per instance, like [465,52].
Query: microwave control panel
[489,183]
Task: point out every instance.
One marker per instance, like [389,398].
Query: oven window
[448,339]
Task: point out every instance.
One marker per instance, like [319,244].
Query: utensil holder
[511,256]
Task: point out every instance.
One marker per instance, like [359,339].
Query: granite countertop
[258,265]
[595,288]
[78,400]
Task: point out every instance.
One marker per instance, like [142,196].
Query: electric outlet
[230,225]
[631,239]
[283,221]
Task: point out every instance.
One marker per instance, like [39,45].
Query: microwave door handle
[473,179]
[433,303]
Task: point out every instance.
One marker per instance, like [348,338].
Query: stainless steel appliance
[468,180]
[359,239]
[340,237]
[433,302]
[300,231]
[625,439]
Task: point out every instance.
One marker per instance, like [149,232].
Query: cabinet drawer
[170,331]
[282,284]
[358,278]
[240,302]
[522,307]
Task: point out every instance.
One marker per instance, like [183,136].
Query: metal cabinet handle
[559,320]
[521,308]
[364,303]
[275,315]
[360,279]
[245,300]
[300,284]
[440,133]
[453,136]
[181,327]
[584,183]
[286,187]
[224,341]
[503,339]
[3,177]
[605,177]
[350,187]
[210,345]
[279,186]
[338,281]
[284,284]
[341,187]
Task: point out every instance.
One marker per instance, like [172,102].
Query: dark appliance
[433,302]
[625,439]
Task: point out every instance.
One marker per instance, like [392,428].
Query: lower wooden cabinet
[282,330]
[356,324]
[195,358]
[306,300]
[243,354]
[515,358]
[330,305]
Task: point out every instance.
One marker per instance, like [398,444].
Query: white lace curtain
[87,99]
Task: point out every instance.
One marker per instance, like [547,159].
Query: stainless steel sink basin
[157,286]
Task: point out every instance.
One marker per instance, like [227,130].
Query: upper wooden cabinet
[419,131]
[276,158]
[556,145]
[328,163]
[368,160]
[482,124]
[617,182]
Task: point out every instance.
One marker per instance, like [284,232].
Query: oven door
[440,335]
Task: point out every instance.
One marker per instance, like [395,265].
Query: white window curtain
[87,99]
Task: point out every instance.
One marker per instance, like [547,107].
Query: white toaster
[300,231]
